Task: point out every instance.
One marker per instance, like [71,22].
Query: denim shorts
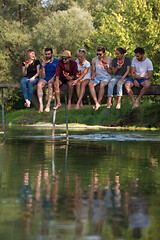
[101,79]
[138,80]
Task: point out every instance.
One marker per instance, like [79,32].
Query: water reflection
[71,211]
[82,190]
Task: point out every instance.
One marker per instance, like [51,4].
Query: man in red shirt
[65,74]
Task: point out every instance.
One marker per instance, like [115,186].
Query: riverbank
[146,115]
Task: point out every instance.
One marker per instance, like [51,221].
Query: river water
[104,184]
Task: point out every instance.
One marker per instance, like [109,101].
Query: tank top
[100,70]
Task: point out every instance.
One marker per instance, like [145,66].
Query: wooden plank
[153,90]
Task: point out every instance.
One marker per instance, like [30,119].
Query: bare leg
[119,102]
[146,84]
[128,86]
[50,95]
[109,102]
[101,91]
[40,86]
[70,93]
[93,93]
[82,92]
[57,92]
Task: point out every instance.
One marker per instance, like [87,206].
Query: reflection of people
[65,74]
[120,69]
[48,68]
[30,70]
[141,73]
[83,79]
[26,201]
[101,74]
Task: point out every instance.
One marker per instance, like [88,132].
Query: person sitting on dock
[65,74]
[30,70]
[120,69]
[141,73]
[83,76]
[48,69]
[101,74]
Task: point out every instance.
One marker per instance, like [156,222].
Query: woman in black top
[30,70]
[120,69]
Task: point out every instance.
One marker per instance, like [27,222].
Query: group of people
[55,72]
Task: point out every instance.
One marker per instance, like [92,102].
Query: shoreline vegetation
[146,116]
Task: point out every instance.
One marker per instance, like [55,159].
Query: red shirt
[61,67]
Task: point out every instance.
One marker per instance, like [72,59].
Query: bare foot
[97,106]
[135,105]
[47,109]
[81,105]
[69,106]
[77,106]
[118,106]
[27,103]
[109,105]
[57,106]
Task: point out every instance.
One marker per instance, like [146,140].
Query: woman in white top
[84,76]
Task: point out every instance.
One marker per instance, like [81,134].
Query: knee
[147,85]
[127,86]
[91,85]
[39,86]
[111,84]
[50,86]
[102,85]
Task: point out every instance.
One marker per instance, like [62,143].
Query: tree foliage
[68,24]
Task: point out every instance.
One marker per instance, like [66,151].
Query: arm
[43,73]
[109,69]
[115,69]
[24,70]
[74,69]
[84,73]
[149,75]
[93,73]
[80,78]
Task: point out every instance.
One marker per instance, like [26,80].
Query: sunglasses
[99,54]
[64,58]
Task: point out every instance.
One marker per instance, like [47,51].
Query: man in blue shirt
[48,69]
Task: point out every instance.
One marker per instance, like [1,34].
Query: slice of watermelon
[104,62]
[46,61]
[26,62]
[65,73]
[134,72]
[79,73]
[120,62]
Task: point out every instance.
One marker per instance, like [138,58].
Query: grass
[147,115]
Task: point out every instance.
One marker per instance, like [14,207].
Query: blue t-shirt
[50,69]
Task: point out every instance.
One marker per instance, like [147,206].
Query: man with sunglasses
[48,69]
[101,74]
[65,74]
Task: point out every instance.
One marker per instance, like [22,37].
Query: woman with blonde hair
[30,71]
[83,76]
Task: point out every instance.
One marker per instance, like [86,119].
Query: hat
[66,53]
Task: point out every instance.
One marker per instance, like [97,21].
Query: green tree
[63,30]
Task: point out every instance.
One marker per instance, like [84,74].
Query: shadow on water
[101,185]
